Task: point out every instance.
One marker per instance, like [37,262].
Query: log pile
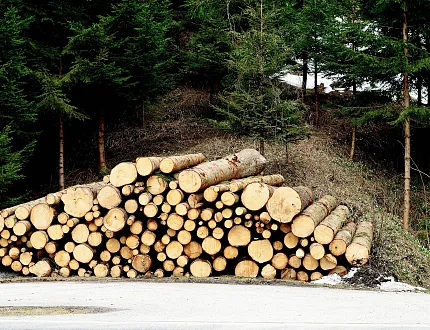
[182,216]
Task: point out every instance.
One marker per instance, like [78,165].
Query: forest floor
[320,162]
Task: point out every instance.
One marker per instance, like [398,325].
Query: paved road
[143,305]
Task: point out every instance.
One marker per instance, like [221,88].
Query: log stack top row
[181,216]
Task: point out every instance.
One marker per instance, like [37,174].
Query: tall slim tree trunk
[316,94]
[101,142]
[407,128]
[260,71]
[304,76]
[61,143]
[61,154]
[354,128]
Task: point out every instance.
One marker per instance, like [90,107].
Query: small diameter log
[159,273]
[41,268]
[316,276]
[255,196]
[158,200]
[218,233]
[174,249]
[325,231]
[189,225]
[168,265]
[291,240]
[95,239]
[277,245]
[211,245]
[177,163]
[294,262]
[145,198]
[357,253]
[317,251]
[150,210]
[25,258]
[182,209]
[62,258]
[109,197]
[115,219]
[132,241]
[184,237]
[41,216]
[272,180]
[302,276]
[39,239]
[173,184]
[207,214]
[211,193]
[328,262]
[279,261]
[219,264]
[201,268]
[147,165]
[83,253]
[77,201]
[287,202]
[113,245]
[268,272]
[156,185]
[193,250]
[195,200]
[116,271]
[246,268]
[122,174]
[229,199]
[80,233]
[22,227]
[289,274]
[136,228]
[182,261]
[244,163]
[310,263]
[260,251]
[178,272]
[239,236]
[304,224]
[175,221]
[51,247]
[342,239]
[141,263]
[131,206]
[148,238]
[127,190]
[231,252]
[64,271]
[174,197]
[341,270]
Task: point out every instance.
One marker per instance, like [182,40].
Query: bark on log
[211,193]
[272,180]
[342,239]
[304,224]
[177,163]
[287,202]
[357,253]
[255,196]
[325,231]
[244,163]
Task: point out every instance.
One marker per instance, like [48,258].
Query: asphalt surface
[146,305]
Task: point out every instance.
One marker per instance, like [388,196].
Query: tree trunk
[407,128]
[101,143]
[316,94]
[61,154]
[177,163]
[304,76]
[353,139]
[261,148]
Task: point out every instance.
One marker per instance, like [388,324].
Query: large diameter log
[287,202]
[201,268]
[142,263]
[78,201]
[255,196]
[272,180]
[109,197]
[101,270]
[304,224]
[39,239]
[325,231]
[80,233]
[239,236]
[244,163]
[174,249]
[193,250]
[62,258]
[342,239]
[41,216]
[123,174]
[260,251]
[177,163]
[115,219]
[147,165]
[357,253]
[246,268]
[41,268]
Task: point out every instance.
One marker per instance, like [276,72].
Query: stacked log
[181,216]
